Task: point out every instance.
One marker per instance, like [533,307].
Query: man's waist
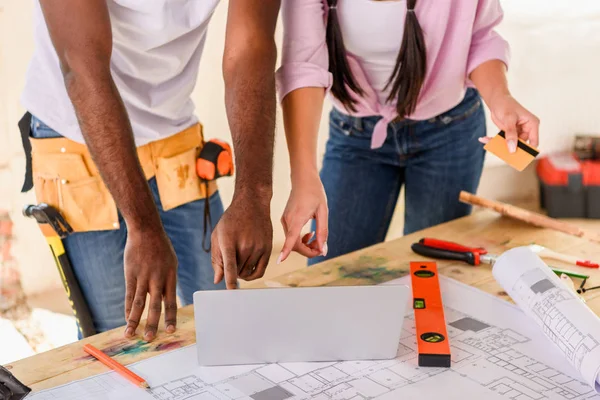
[148,153]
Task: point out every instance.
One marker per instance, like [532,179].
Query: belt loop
[358,123]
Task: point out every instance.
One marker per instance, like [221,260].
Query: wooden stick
[528,216]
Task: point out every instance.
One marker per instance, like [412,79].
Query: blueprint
[498,353]
[565,320]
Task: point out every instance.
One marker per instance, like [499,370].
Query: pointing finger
[230,268]
[216,260]
[170,301]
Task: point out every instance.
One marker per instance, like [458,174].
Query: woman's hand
[515,120]
[307,201]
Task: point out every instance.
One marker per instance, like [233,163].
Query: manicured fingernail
[325,249]
[512,146]
[279,258]
[481,140]
[170,329]
[129,332]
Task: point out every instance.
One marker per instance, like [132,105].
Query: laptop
[259,326]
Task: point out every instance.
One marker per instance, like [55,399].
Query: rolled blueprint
[563,317]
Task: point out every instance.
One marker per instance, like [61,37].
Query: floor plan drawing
[563,318]
[497,353]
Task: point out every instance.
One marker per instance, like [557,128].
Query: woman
[406,79]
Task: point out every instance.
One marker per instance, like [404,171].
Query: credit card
[520,159]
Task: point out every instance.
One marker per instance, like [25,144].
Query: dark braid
[338,63]
[409,72]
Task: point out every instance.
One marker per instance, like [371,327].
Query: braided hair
[408,75]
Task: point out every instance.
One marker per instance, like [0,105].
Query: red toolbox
[569,187]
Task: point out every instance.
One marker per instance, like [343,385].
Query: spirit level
[432,337]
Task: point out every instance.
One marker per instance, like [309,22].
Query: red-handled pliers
[444,250]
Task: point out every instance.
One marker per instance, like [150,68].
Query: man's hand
[150,268]
[242,241]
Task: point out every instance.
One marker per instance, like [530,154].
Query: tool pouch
[177,181]
[64,180]
[174,160]
[64,176]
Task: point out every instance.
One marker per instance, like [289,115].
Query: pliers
[440,249]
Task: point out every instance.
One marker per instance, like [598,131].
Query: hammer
[54,227]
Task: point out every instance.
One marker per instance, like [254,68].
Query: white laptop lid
[299,324]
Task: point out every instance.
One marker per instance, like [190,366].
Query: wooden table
[374,265]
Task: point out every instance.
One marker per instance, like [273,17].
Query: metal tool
[54,227]
[443,250]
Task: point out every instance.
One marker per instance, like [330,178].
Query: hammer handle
[528,216]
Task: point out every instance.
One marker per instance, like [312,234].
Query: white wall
[554,71]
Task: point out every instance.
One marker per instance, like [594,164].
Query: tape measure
[432,337]
[215,161]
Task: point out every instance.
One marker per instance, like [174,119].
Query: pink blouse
[459,36]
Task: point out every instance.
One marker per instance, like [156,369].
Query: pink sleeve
[305,60]
[486,43]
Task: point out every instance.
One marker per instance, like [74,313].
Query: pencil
[570,274]
[117,367]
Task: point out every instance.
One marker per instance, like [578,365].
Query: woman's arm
[302,81]
[486,68]
[507,113]
[302,110]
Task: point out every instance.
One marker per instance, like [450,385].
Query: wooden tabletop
[373,265]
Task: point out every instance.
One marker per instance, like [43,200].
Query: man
[113,127]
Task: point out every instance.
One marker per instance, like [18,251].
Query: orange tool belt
[64,176]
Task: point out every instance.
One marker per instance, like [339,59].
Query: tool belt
[65,177]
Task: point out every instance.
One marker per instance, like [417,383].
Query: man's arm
[81,34]
[242,240]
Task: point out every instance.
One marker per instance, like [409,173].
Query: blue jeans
[97,257]
[434,159]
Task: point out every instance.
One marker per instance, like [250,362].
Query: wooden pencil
[114,365]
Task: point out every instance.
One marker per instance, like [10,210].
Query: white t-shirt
[378,19]
[157,46]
